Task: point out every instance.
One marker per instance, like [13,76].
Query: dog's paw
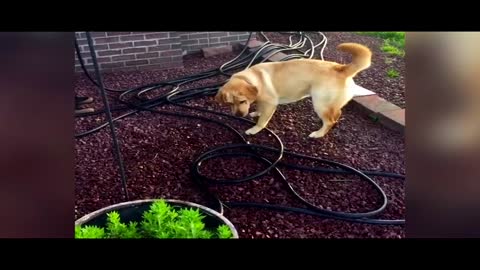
[254,114]
[316,134]
[252,131]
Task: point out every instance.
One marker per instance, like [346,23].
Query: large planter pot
[133,211]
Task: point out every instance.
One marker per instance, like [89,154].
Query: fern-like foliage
[162,220]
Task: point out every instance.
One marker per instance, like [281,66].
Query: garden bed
[158,151]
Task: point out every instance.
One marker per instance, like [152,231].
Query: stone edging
[388,114]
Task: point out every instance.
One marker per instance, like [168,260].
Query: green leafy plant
[392,73]
[393,42]
[89,232]
[162,220]
[224,232]
[391,49]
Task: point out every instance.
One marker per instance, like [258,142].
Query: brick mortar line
[387,113]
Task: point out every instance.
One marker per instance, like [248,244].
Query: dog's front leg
[265,112]
[254,114]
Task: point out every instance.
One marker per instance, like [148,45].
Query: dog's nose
[239,114]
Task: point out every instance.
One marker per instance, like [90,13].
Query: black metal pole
[109,115]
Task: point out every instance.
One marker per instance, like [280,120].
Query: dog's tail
[361,58]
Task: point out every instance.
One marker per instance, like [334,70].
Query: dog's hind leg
[329,118]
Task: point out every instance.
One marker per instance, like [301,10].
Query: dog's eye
[243,102]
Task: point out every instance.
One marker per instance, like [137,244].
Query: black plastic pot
[133,211]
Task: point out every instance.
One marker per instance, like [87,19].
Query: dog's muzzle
[240,114]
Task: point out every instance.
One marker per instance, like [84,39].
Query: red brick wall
[131,50]
[128,51]
[195,41]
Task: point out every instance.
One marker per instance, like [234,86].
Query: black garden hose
[139,102]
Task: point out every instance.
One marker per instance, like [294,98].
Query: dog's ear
[247,88]
[250,92]
[219,97]
[224,97]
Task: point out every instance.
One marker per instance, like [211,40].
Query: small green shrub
[393,42]
[161,221]
[392,73]
[391,48]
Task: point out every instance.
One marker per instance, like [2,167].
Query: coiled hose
[243,60]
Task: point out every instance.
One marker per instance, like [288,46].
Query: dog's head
[238,94]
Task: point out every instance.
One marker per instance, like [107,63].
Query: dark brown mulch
[374,78]
[158,151]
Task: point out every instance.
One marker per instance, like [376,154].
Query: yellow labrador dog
[274,83]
